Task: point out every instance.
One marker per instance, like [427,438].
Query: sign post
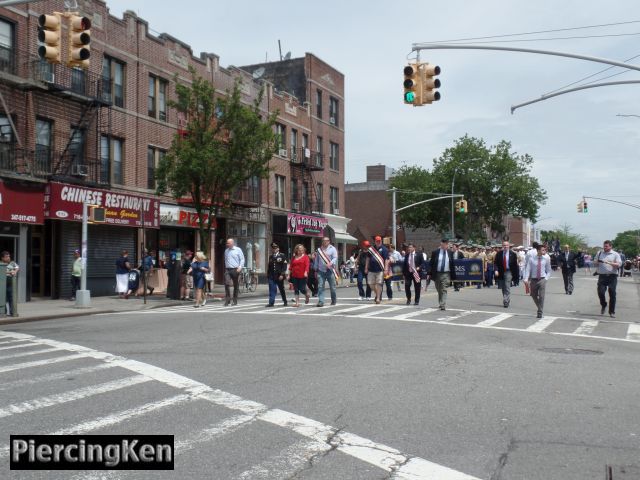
[83,296]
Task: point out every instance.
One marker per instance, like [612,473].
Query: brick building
[69,135]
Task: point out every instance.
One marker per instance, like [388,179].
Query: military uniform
[276,272]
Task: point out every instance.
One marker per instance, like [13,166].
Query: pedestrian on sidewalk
[537,270]
[146,268]
[506,270]
[442,271]
[233,264]
[326,264]
[299,272]
[312,279]
[412,266]
[607,262]
[568,261]
[377,264]
[122,273]
[76,274]
[12,271]
[187,280]
[198,268]
[276,274]
[361,261]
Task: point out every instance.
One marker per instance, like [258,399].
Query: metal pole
[144,241]
[452,213]
[393,215]
[14,295]
[83,296]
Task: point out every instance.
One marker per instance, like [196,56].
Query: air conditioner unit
[80,170]
[332,120]
[307,153]
[336,211]
[295,205]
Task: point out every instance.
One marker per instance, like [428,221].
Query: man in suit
[457,255]
[506,269]
[442,271]
[568,262]
[412,267]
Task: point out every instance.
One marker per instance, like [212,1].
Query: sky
[580,146]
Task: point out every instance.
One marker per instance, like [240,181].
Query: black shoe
[285,304]
[442,308]
[539,314]
[226,303]
[408,302]
[234,303]
[319,304]
[602,309]
[570,293]
[333,303]
[269,305]
[506,304]
[416,304]
[150,291]
[612,315]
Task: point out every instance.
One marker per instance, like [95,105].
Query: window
[334,161]
[280,191]
[319,158]
[113,81]
[319,103]
[111,170]
[333,199]
[333,111]
[43,145]
[295,205]
[7,63]
[76,146]
[305,147]
[154,157]
[294,144]
[320,203]
[7,150]
[78,81]
[157,99]
[281,133]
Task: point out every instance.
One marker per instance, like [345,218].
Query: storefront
[179,232]
[21,221]
[343,242]
[294,228]
[129,218]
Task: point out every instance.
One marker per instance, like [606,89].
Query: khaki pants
[538,288]
[443,279]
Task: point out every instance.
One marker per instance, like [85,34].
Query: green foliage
[627,242]
[494,180]
[576,241]
[226,143]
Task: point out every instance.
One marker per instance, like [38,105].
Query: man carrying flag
[413,265]
[325,264]
[376,265]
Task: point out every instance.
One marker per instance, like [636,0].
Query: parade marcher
[299,269]
[187,280]
[376,264]
[395,267]
[276,274]
[312,279]
[351,265]
[442,271]
[457,255]
[76,274]
[199,267]
[12,271]
[488,275]
[506,269]
[122,273]
[326,264]
[607,262]
[364,293]
[412,267]
[233,264]
[623,258]
[537,271]
[568,261]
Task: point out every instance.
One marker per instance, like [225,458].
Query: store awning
[346,238]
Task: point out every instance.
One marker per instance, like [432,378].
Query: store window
[251,238]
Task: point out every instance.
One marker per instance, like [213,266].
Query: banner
[306,225]
[21,204]
[468,270]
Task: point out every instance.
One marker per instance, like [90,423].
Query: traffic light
[49,33]
[412,86]
[458,203]
[580,207]
[429,84]
[463,206]
[97,214]
[585,209]
[79,40]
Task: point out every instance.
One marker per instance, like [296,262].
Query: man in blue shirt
[233,264]
[325,264]
[377,262]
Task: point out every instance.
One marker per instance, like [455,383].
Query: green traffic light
[409,97]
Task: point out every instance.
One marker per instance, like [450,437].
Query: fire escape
[76,106]
[304,189]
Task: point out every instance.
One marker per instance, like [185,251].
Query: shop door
[37,263]
[10,245]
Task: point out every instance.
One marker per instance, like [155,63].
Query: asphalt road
[355,391]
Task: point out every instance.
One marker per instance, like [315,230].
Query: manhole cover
[573,351]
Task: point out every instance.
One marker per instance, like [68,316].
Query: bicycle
[248,280]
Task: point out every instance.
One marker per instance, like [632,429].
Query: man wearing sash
[326,264]
[412,266]
[442,271]
[377,261]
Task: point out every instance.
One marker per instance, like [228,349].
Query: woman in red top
[299,270]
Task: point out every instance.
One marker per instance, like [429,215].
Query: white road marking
[462,314]
[38,363]
[55,376]
[26,354]
[490,322]
[541,324]
[339,311]
[633,332]
[381,311]
[70,396]
[419,311]
[13,347]
[587,327]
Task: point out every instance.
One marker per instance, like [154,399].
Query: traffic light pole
[633,205]
[83,296]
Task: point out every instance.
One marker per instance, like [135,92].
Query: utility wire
[557,38]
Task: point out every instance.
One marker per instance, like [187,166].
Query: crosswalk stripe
[382,311]
[54,376]
[26,354]
[633,332]
[405,316]
[70,396]
[586,328]
[464,313]
[541,324]
[341,310]
[13,347]
[489,322]
[38,363]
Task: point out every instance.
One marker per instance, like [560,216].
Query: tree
[225,143]
[576,241]
[627,242]
[495,182]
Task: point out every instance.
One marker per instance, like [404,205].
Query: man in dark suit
[442,271]
[412,267]
[506,269]
[568,262]
[457,255]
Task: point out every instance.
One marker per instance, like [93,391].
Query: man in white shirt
[537,270]
[607,261]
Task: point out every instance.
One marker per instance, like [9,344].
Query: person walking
[186,280]
[276,273]
[299,269]
[456,255]
[607,263]
[412,266]
[506,270]
[537,270]
[312,279]
[76,274]
[12,271]
[377,263]
[233,264]
[364,293]
[568,261]
[325,264]
[442,271]
[395,269]
[146,267]
[122,273]
[198,268]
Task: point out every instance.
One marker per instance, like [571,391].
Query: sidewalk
[47,309]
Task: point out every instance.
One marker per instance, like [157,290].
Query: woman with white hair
[198,268]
